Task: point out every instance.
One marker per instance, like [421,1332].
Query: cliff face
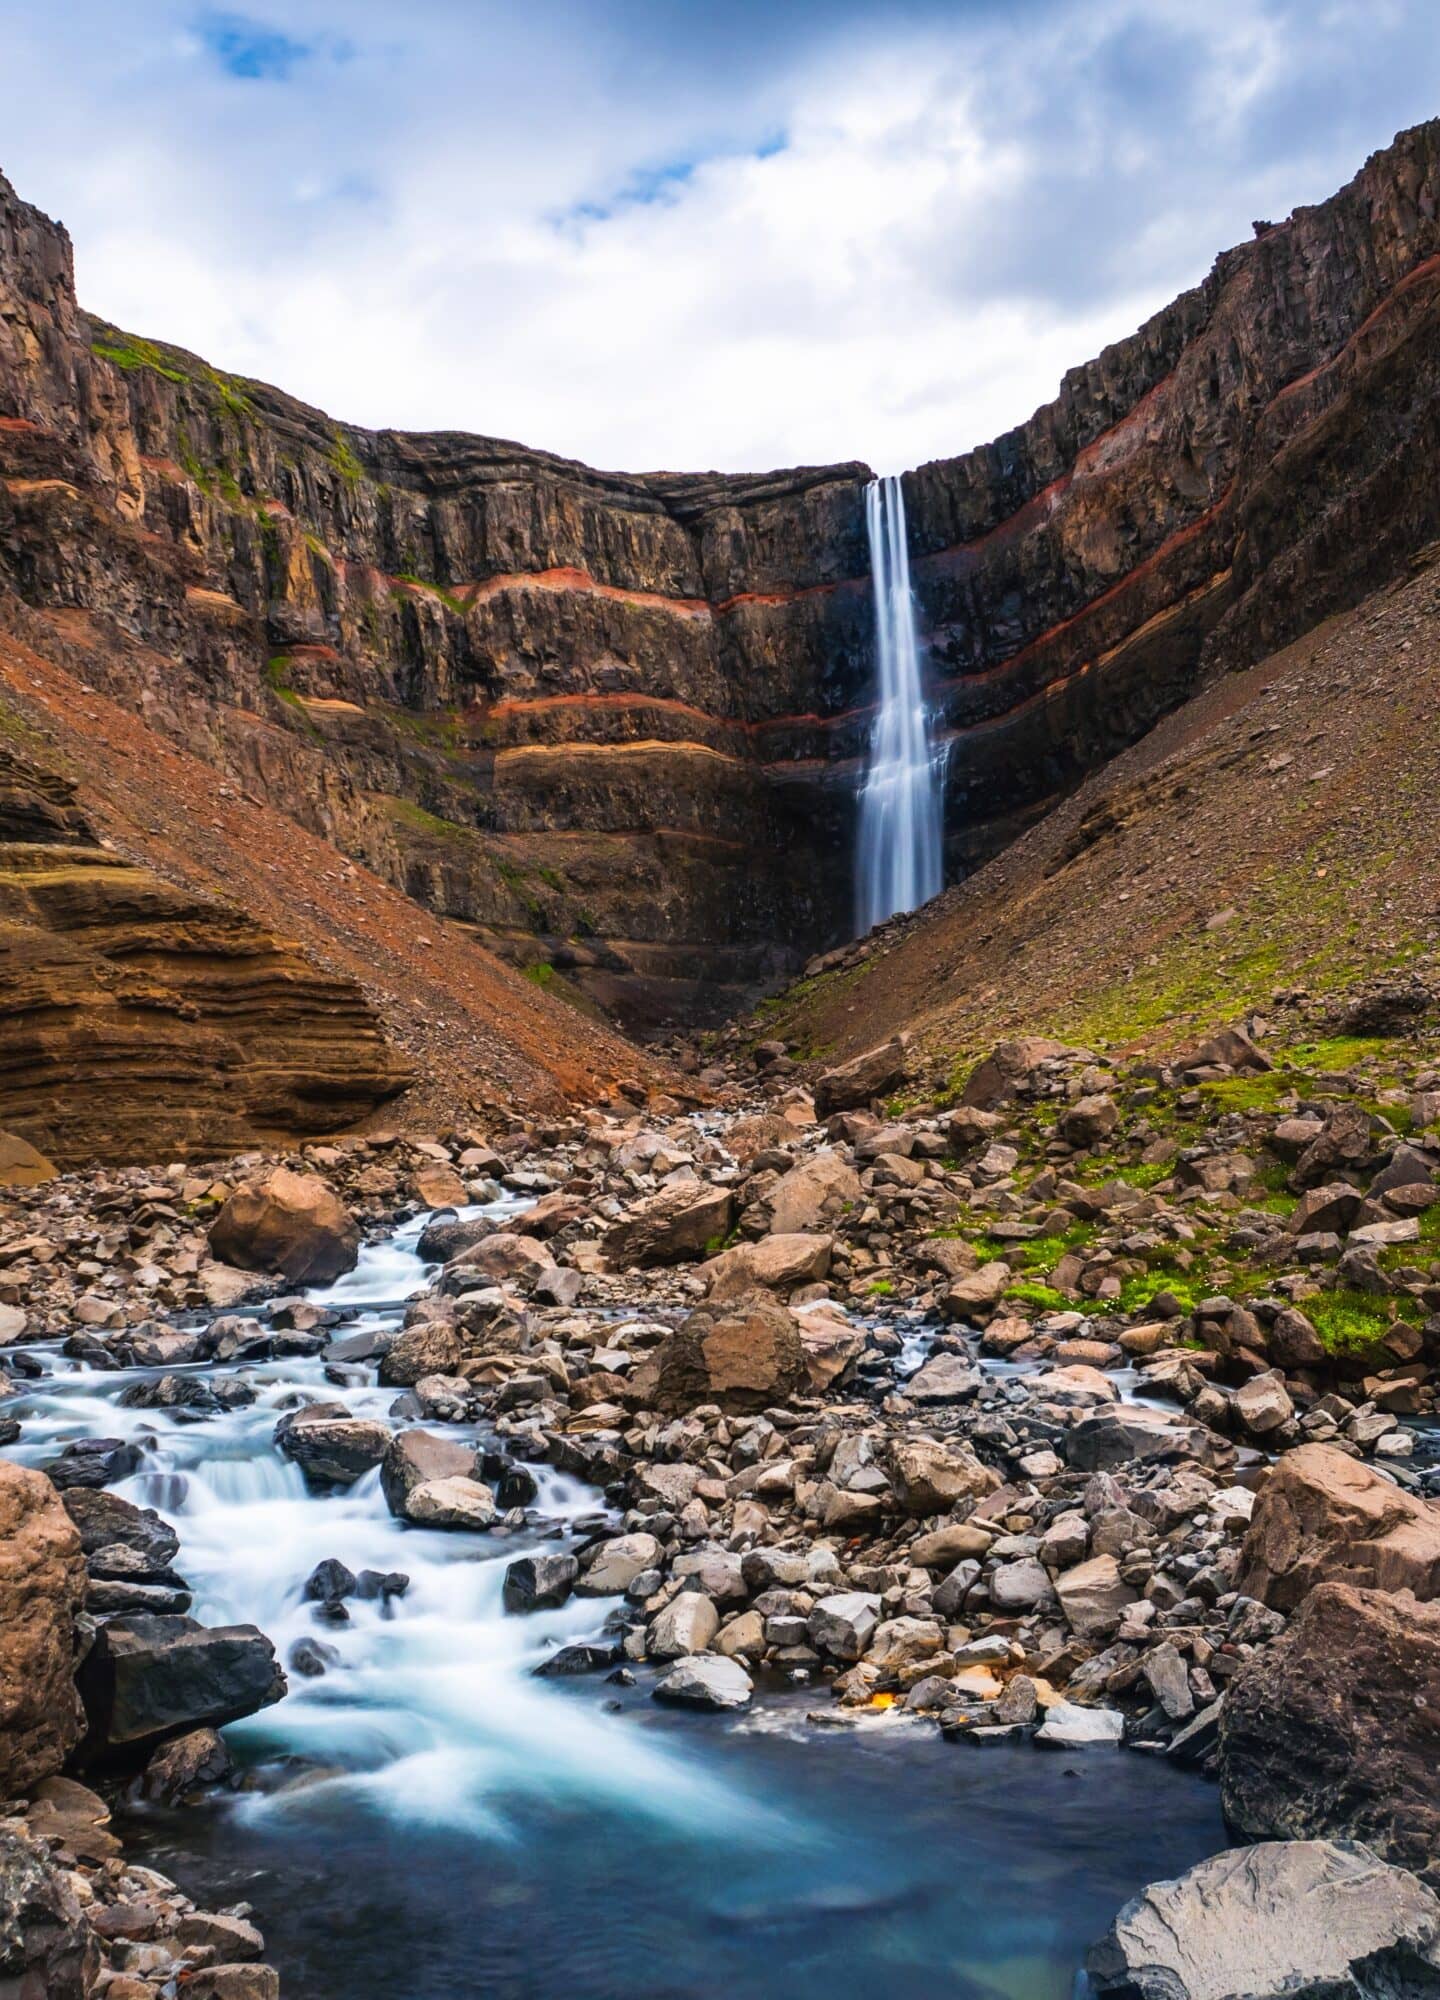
[139,1017]
[616,722]
[1259,455]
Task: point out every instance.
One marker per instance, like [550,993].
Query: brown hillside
[478,1036]
[1279,836]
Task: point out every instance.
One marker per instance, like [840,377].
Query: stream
[428,1820]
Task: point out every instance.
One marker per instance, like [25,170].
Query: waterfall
[898,864]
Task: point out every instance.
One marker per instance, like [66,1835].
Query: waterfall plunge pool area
[429,1820]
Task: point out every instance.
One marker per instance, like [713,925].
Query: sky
[671,234]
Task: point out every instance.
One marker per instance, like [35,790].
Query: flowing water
[428,1820]
[898,862]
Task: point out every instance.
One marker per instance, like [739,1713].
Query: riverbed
[429,1819]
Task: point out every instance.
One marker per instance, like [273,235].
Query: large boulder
[1132,1434]
[105,1520]
[928,1477]
[1321,1515]
[1093,1595]
[503,1257]
[417,1458]
[289,1224]
[744,1356]
[778,1263]
[430,1347]
[21,1165]
[869,1075]
[680,1222]
[42,1587]
[1289,1920]
[147,1678]
[1334,1728]
[812,1196]
[331,1447]
[1007,1070]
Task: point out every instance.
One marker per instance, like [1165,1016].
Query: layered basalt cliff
[139,1018]
[617,723]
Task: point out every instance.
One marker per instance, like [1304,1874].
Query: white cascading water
[898,861]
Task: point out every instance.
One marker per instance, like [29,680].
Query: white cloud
[561,224]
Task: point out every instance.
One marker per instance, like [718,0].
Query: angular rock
[1323,1516]
[539,1583]
[105,1519]
[430,1347]
[414,1457]
[331,1447]
[1332,1728]
[774,1263]
[707,1681]
[616,1564]
[48,1950]
[1069,1726]
[148,1678]
[1093,1596]
[813,1196]
[687,1625]
[289,1224]
[743,1356]
[843,1625]
[682,1221]
[928,1477]
[1131,1434]
[874,1073]
[1292,1920]
[458,1502]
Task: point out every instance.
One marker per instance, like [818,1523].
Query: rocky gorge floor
[1091,1410]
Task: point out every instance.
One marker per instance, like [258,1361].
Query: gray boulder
[706,1680]
[1296,1920]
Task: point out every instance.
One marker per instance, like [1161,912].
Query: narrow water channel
[429,1820]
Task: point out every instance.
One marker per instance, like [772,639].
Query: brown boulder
[1009,1065]
[779,1263]
[680,1222]
[1322,1517]
[20,1164]
[430,1347]
[1334,1728]
[812,1195]
[437,1185]
[1235,1048]
[928,1477]
[499,1258]
[290,1224]
[871,1074]
[744,1356]
[42,1587]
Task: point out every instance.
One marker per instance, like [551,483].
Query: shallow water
[430,1820]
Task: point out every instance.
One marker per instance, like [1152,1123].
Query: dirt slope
[480,1037]
[1278,836]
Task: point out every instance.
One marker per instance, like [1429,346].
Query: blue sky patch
[251,50]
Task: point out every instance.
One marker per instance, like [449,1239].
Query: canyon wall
[615,723]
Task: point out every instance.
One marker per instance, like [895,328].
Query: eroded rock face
[478,647]
[1334,1728]
[144,1020]
[290,1224]
[1323,1516]
[42,1587]
[1302,1920]
[743,1356]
